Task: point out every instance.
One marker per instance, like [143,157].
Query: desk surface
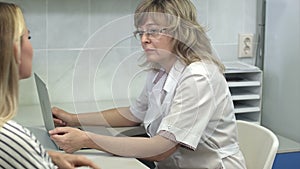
[106,161]
[31,116]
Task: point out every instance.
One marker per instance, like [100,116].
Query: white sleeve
[191,110]
[140,106]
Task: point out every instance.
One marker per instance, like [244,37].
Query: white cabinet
[245,84]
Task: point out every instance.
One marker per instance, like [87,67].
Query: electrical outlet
[245,45]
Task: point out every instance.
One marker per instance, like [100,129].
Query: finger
[59,130]
[94,166]
[55,110]
[57,137]
[69,150]
[83,161]
[59,122]
[59,140]
[62,144]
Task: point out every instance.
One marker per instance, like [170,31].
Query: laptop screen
[44,102]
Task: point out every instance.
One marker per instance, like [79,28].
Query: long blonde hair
[12,28]
[190,41]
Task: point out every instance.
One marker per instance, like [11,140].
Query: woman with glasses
[19,148]
[185,106]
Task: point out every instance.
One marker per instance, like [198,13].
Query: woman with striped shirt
[19,148]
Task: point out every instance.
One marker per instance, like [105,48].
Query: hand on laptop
[69,139]
[62,118]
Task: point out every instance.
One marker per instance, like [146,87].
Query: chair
[258,144]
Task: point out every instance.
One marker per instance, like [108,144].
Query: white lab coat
[194,105]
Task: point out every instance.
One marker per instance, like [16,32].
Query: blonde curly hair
[12,28]
[190,42]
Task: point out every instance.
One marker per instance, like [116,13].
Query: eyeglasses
[151,33]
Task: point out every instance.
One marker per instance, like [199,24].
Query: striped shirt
[19,148]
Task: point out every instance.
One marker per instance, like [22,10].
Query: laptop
[45,105]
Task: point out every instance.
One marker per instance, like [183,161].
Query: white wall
[61,29]
[281,92]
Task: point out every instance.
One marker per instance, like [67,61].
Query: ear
[17,53]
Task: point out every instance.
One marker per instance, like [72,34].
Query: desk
[30,116]
[107,161]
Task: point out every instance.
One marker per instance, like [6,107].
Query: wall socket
[245,45]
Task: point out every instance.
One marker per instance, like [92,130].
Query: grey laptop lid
[47,113]
[44,102]
[41,134]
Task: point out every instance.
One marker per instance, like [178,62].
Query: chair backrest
[258,144]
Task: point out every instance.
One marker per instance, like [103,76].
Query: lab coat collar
[158,75]
[174,75]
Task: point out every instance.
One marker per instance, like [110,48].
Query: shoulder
[17,135]
[202,68]
[21,149]
[13,127]
[202,74]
